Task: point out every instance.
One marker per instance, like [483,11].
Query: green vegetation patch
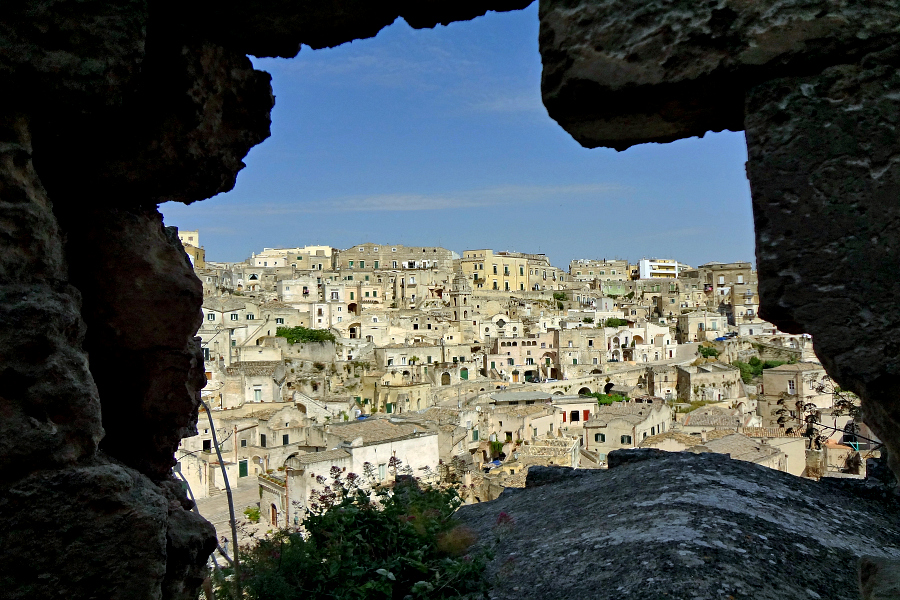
[402,544]
[607,398]
[754,367]
[614,322]
[296,335]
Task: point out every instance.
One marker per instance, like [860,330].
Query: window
[590,342]
[211,317]
[351,264]
[393,249]
[362,264]
[376,264]
[522,271]
[279,321]
[574,416]
[257,394]
[600,437]
[262,440]
[382,471]
[243,443]
[285,439]
[792,389]
[495,269]
[474,435]
[625,439]
[721,279]
[250,317]
[351,295]
[234,316]
[394,264]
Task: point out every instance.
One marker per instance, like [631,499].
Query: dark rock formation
[824,169]
[680,525]
[48,401]
[625,72]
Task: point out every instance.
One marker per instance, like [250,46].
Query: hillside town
[400,361]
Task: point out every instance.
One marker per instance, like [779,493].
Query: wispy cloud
[496,196]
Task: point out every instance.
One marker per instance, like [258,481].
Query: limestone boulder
[681,525]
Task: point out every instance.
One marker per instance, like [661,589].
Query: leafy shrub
[295,335]
[603,399]
[614,322]
[319,366]
[252,513]
[588,320]
[401,544]
[560,296]
[708,352]
[754,367]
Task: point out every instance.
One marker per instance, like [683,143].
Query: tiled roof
[740,447]
[374,431]
[712,416]
[223,304]
[308,458]
[254,368]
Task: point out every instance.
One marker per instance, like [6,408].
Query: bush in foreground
[400,543]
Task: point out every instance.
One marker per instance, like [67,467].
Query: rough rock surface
[622,72]
[113,533]
[142,309]
[824,168]
[679,525]
[48,401]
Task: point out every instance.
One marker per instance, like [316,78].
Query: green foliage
[708,352]
[296,335]
[560,296]
[614,322]
[402,544]
[496,449]
[319,366]
[603,399]
[754,367]
[252,513]
[588,320]
[629,295]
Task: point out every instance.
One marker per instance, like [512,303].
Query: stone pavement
[215,510]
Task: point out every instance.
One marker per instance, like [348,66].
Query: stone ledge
[680,525]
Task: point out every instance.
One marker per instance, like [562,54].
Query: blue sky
[438,137]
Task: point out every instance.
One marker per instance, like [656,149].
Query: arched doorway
[352,307]
[274,516]
[584,391]
[445,379]
[608,387]
[464,373]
